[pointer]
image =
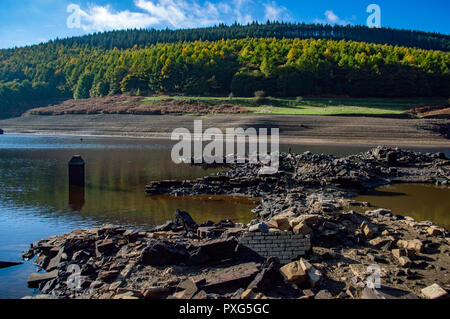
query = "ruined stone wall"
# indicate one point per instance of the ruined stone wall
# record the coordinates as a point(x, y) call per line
point(287, 246)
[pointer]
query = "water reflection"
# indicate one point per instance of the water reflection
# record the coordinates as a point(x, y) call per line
point(76, 197)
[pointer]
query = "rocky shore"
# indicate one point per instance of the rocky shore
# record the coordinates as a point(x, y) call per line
point(307, 239)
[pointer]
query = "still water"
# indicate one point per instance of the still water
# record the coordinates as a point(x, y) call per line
point(419, 201)
point(36, 202)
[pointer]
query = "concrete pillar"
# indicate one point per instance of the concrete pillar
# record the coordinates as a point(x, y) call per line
point(76, 171)
point(1, 131)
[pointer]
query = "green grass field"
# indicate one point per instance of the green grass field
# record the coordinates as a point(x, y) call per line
point(313, 106)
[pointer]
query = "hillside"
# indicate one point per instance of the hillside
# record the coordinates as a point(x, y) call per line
point(84, 67)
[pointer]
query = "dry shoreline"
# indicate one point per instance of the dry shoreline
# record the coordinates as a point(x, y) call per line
point(294, 129)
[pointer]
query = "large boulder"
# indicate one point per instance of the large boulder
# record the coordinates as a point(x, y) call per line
point(163, 253)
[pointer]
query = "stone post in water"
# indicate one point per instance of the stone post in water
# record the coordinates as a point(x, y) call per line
point(1, 131)
point(76, 171)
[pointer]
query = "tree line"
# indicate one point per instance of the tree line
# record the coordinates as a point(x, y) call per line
point(126, 39)
point(280, 67)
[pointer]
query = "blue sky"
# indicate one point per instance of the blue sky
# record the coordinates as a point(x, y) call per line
point(24, 22)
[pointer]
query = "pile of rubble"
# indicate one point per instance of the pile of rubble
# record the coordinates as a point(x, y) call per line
point(356, 172)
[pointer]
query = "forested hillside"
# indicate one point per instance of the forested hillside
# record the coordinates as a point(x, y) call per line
point(280, 67)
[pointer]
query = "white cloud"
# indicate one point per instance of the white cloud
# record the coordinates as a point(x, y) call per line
point(273, 12)
point(174, 14)
point(332, 18)
point(180, 14)
point(99, 18)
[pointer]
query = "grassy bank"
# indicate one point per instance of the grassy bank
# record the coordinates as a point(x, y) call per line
point(311, 106)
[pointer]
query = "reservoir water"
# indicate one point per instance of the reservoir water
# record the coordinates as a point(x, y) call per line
point(35, 201)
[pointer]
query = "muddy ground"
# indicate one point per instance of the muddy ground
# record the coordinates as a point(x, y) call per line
point(293, 129)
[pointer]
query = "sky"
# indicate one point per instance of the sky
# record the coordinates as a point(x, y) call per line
point(26, 22)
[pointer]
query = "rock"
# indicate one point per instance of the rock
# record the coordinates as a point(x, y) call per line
point(35, 279)
point(131, 295)
point(399, 253)
point(404, 261)
point(385, 292)
point(80, 256)
point(1, 132)
point(261, 227)
point(42, 297)
point(314, 276)
point(368, 230)
point(354, 217)
point(434, 231)
point(163, 228)
point(247, 294)
point(293, 273)
point(268, 277)
point(213, 250)
point(184, 220)
point(280, 222)
point(379, 213)
point(104, 247)
point(163, 253)
point(308, 293)
point(229, 280)
point(189, 289)
point(323, 294)
point(54, 262)
point(310, 220)
point(107, 275)
point(434, 292)
point(381, 241)
point(302, 228)
point(96, 284)
point(306, 266)
point(391, 158)
point(414, 244)
point(156, 292)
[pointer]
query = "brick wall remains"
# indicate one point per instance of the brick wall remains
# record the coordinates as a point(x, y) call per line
point(287, 246)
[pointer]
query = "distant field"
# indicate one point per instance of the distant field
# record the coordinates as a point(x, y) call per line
point(178, 105)
point(312, 106)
